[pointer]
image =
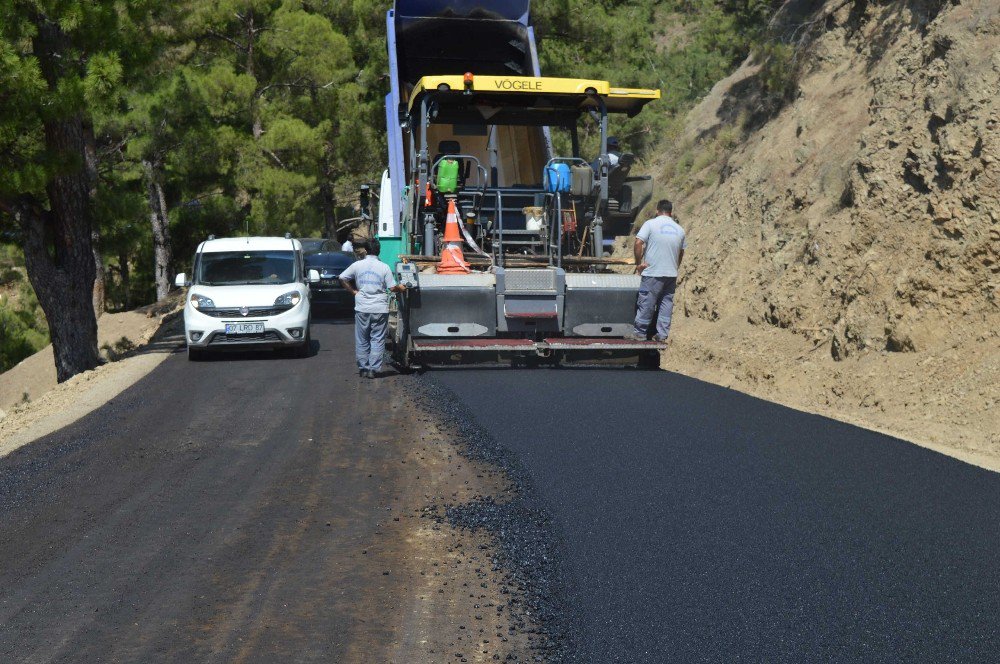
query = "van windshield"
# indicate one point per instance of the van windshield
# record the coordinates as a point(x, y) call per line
point(237, 268)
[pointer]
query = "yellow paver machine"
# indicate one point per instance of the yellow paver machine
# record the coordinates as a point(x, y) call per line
point(503, 243)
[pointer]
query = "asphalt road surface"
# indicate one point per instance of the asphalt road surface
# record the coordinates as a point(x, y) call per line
point(248, 509)
point(700, 524)
point(256, 509)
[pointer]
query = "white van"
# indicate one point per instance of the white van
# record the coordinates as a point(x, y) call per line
point(247, 293)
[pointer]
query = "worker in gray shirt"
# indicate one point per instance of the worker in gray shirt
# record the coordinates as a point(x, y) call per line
point(370, 280)
point(659, 250)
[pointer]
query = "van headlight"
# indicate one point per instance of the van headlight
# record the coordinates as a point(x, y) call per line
point(201, 302)
point(288, 299)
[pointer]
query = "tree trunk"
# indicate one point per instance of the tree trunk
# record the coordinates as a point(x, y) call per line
point(328, 202)
point(99, 293)
point(162, 251)
point(57, 241)
point(90, 164)
point(123, 271)
point(64, 280)
point(257, 126)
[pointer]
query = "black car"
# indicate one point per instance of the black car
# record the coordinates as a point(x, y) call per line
point(313, 244)
point(329, 290)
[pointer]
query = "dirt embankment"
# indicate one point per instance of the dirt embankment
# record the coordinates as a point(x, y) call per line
point(844, 246)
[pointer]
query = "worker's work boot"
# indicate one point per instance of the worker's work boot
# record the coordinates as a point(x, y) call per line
point(632, 336)
point(660, 339)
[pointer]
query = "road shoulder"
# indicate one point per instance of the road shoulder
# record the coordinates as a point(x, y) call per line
point(54, 406)
point(926, 399)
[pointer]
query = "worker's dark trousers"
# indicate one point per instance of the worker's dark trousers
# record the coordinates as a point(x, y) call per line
point(369, 339)
point(655, 292)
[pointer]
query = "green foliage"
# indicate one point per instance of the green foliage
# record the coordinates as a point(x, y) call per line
point(261, 116)
point(9, 276)
point(778, 74)
point(681, 47)
point(11, 256)
point(101, 84)
point(248, 110)
point(23, 331)
point(17, 340)
point(97, 35)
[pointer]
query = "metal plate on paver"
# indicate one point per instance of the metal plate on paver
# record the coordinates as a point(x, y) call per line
point(475, 280)
point(529, 280)
point(621, 281)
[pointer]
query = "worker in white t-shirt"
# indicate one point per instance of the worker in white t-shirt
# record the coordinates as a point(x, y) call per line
point(614, 152)
point(614, 156)
point(659, 250)
point(369, 280)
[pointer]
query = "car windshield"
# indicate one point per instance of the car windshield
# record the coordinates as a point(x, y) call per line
point(236, 268)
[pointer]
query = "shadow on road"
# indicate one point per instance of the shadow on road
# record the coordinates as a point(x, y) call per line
point(328, 315)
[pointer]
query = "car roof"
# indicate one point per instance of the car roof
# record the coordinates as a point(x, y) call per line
point(249, 244)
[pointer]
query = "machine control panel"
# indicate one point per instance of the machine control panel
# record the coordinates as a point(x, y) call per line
point(406, 274)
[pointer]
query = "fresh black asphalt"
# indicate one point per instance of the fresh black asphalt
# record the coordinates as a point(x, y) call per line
point(698, 524)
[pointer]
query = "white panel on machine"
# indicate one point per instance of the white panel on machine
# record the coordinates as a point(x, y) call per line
point(457, 280)
point(386, 219)
point(584, 280)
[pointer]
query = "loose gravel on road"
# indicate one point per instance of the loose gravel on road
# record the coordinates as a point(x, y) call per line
point(253, 509)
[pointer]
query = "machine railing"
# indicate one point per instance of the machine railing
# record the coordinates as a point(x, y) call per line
point(556, 226)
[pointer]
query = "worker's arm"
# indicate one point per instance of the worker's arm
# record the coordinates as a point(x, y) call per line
point(349, 285)
point(347, 279)
point(680, 258)
point(639, 250)
point(390, 283)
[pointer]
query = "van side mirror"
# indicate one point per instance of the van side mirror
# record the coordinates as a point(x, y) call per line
point(313, 277)
point(181, 281)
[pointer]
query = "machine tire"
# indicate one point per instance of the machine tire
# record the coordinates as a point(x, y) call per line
point(196, 354)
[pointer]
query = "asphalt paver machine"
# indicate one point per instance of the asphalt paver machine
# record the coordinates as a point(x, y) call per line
point(502, 242)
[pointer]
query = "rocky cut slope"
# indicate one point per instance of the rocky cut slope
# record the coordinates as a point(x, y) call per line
point(844, 220)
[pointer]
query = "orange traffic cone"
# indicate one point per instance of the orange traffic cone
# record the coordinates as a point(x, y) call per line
point(452, 258)
point(451, 232)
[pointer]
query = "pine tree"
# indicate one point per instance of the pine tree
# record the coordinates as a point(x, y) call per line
point(58, 59)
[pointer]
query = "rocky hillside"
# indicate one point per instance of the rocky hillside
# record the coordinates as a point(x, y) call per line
point(844, 220)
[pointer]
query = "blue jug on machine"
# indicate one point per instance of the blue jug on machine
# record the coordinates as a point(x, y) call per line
point(557, 178)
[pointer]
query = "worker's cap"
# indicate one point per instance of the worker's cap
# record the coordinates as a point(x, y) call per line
point(613, 142)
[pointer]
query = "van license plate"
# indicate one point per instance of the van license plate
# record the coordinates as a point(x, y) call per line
point(244, 328)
